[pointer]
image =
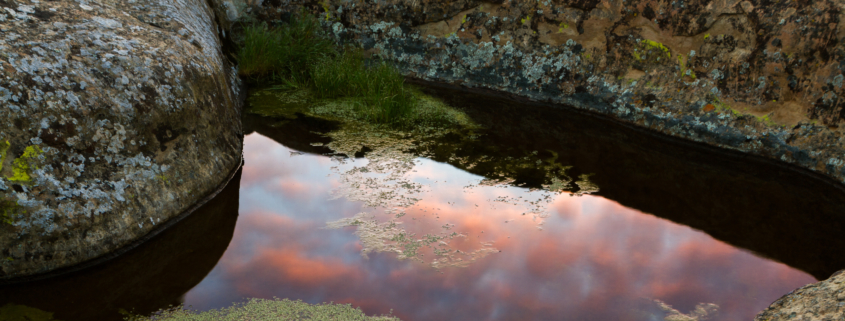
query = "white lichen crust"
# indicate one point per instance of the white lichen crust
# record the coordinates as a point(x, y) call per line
point(115, 116)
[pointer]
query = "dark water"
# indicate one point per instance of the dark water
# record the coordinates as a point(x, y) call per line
point(646, 229)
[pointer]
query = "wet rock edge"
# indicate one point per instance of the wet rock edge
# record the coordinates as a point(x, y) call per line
point(137, 242)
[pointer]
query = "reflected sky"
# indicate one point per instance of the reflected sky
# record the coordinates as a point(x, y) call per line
point(590, 259)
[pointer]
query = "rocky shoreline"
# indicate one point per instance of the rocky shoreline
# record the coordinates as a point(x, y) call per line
point(759, 77)
point(114, 108)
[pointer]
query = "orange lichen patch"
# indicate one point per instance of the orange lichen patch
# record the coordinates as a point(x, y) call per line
point(634, 74)
point(436, 29)
point(552, 34)
point(709, 108)
point(9, 69)
point(452, 25)
point(468, 33)
point(599, 21)
point(789, 114)
point(785, 113)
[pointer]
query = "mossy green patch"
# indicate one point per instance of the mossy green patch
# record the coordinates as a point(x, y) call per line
point(659, 46)
point(4, 147)
point(765, 119)
point(636, 55)
point(276, 309)
point(650, 52)
point(425, 113)
point(720, 106)
point(8, 211)
point(22, 167)
point(15, 312)
point(526, 20)
point(280, 102)
point(327, 10)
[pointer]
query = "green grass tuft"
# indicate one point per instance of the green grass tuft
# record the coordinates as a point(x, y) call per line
point(283, 53)
point(300, 56)
point(380, 87)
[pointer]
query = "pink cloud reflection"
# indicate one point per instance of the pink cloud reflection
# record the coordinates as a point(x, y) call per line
point(595, 260)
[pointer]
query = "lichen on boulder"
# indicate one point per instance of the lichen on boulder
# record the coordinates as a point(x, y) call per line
point(115, 116)
point(814, 302)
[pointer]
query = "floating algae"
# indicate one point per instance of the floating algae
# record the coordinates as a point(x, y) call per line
point(702, 311)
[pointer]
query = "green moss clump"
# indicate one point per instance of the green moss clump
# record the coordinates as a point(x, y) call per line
point(4, 147)
point(8, 211)
point(21, 167)
point(657, 45)
point(260, 309)
point(650, 52)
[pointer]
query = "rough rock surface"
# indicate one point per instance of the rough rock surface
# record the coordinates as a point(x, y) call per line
point(762, 77)
point(823, 301)
point(115, 116)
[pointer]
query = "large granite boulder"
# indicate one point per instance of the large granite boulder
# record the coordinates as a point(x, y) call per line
point(115, 117)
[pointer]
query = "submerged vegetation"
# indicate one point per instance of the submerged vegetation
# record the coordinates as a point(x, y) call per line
point(299, 56)
point(260, 309)
point(15, 312)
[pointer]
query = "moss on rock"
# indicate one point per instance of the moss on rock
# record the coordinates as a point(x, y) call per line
point(260, 309)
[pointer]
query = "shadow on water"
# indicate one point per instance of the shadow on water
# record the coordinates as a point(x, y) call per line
point(152, 276)
point(776, 211)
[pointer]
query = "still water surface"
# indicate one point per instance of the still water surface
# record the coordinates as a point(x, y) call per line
point(538, 215)
point(590, 259)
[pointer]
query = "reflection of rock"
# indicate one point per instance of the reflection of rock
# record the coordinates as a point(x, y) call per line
point(149, 277)
point(813, 302)
point(760, 77)
point(297, 133)
point(116, 116)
